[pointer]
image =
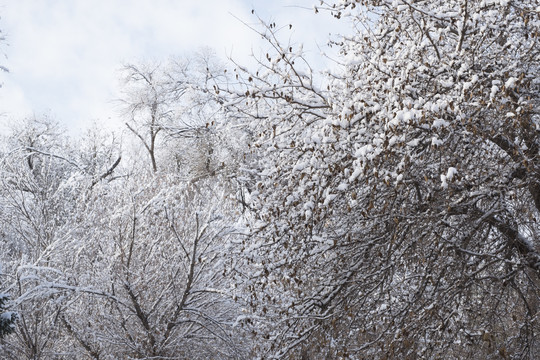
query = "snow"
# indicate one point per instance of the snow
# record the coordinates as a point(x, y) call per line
point(413, 142)
point(329, 199)
point(437, 123)
point(309, 205)
point(357, 171)
point(435, 141)
point(444, 184)
point(300, 166)
point(408, 116)
point(363, 151)
point(511, 83)
point(298, 179)
point(469, 84)
point(8, 315)
point(494, 91)
point(447, 83)
point(452, 171)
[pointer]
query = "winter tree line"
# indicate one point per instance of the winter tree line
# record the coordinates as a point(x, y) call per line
point(386, 208)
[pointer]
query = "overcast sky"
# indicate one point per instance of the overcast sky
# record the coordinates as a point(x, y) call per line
point(64, 55)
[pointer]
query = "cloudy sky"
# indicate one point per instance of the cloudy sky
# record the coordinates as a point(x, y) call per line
point(64, 55)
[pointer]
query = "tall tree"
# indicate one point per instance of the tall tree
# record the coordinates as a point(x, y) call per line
point(150, 272)
point(105, 263)
point(150, 94)
point(399, 202)
point(7, 318)
point(172, 98)
point(35, 225)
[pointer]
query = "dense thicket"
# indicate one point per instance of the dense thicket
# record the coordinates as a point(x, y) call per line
point(398, 197)
point(387, 208)
point(107, 256)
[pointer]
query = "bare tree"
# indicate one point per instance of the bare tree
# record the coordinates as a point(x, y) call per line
point(150, 94)
point(173, 98)
point(155, 262)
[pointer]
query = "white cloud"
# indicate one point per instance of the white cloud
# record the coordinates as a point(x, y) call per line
point(63, 56)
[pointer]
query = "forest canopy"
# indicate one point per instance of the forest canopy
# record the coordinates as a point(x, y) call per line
point(385, 208)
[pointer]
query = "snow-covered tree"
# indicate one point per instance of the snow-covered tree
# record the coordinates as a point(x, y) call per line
point(398, 198)
point(7, 318)
point(172, 99)
point(106, 260)
point(35, 224)
point(150, 272)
